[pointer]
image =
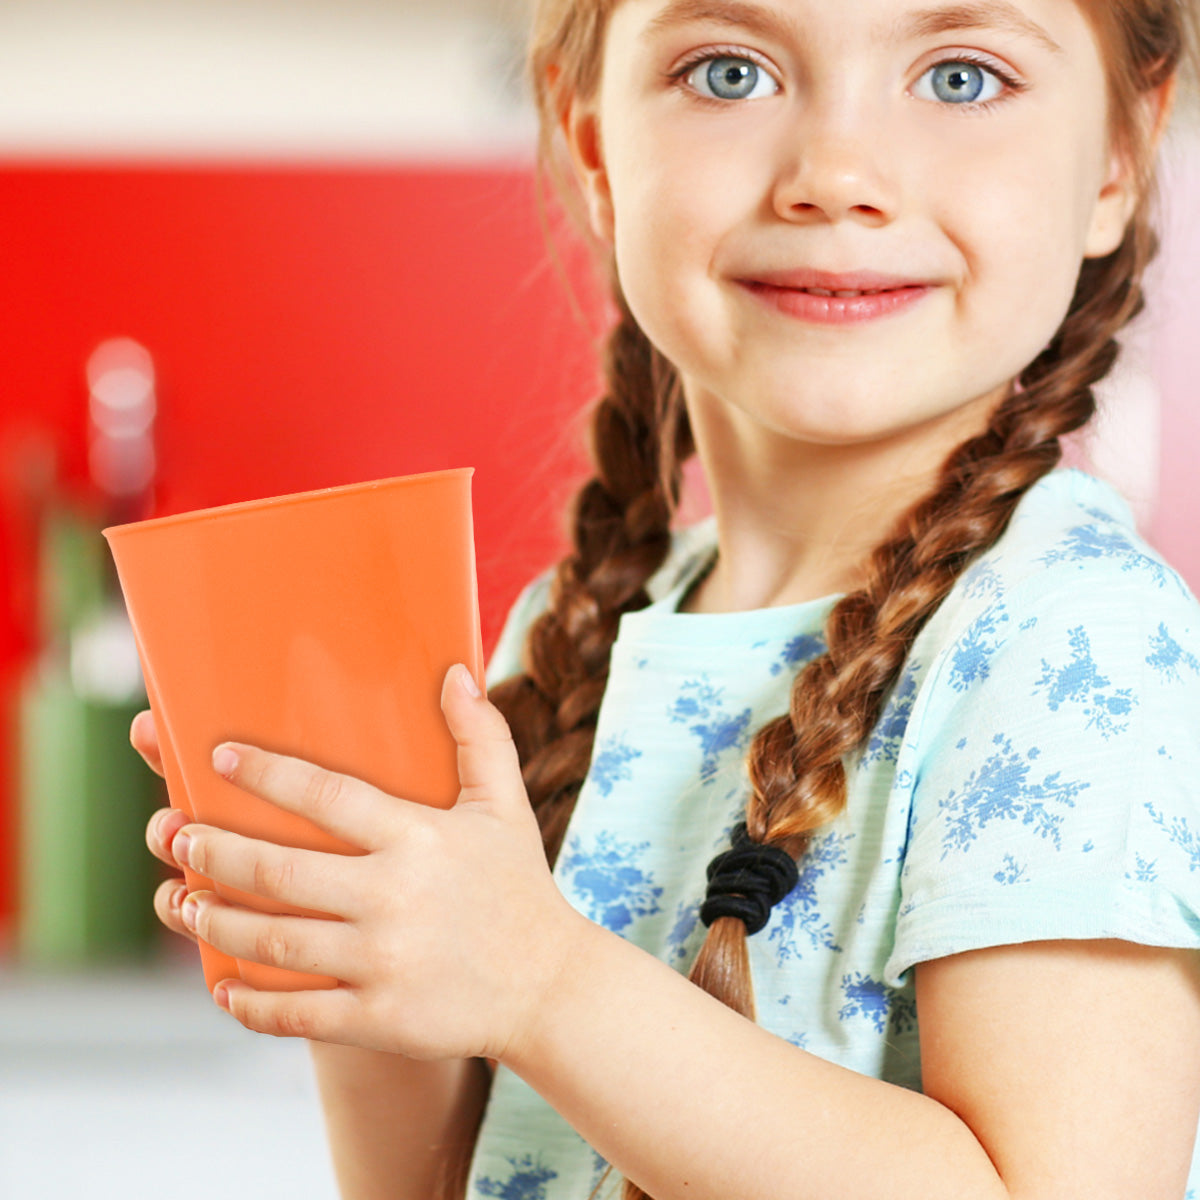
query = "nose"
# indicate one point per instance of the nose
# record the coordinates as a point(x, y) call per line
point(833, 169)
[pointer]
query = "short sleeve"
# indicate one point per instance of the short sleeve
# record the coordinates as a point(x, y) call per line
point(1055, 771)
point(506, 659)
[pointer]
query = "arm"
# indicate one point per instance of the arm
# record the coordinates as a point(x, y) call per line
point(1053, 1071)
point(398, 1129)
point(1099, 1041)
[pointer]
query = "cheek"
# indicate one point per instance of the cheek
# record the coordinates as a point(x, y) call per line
point(1023, 243)
point(666, 229)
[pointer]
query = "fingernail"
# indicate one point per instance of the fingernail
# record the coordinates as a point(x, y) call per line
point(467, 681)
point(191, 906)
point(221, 996)
point(225, 760)
point(180, 847)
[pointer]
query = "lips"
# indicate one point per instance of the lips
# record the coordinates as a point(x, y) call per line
point(845, 284)
point(818, 305)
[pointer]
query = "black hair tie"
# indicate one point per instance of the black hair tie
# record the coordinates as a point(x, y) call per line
point(748, 881)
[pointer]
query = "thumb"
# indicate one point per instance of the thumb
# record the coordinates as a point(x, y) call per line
point(488, 767)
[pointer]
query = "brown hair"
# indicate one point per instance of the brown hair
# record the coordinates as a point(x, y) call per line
point(621, 518)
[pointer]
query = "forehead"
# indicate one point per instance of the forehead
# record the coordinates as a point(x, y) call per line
point(1046, 24)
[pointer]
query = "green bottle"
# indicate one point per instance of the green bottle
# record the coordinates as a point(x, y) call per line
point(86, 880)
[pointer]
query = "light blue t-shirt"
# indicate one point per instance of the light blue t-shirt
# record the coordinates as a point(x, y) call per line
point(1034, 775)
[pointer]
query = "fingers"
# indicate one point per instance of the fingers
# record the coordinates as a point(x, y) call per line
point(302, 878)
point(488, 766)
point(168, 901)
point(144, 737)
point(306, 944)
point(318, 1016)
point(348, 808)
point(161, 831)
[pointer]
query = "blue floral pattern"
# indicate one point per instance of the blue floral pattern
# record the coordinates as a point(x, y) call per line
point(698, 706)
point(1078, 681)
point(1181, 834)
point(798, 651)
point(527, 1181)
point(1104, 539)
point(1169, 658)
point(687, 921)
point(886, 738)
point(611, 763)
point(1035, 768)
point(872, 1000)
point(973, 651)
point(611, 886)
point(797, 922)
point(1002, 790)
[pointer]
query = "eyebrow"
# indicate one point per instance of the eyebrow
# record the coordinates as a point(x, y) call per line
point(995, 13)
point(975, 14)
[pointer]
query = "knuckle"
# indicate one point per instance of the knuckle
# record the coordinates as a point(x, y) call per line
point(496, 728)
point(246, 1013)
point(423, 841)
point(271, 947)
point(258, 770)
point(498, 741)
point(294, 1022)
point(272, 878)
point(323, 792)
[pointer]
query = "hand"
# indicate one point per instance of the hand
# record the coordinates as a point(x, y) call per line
point(161, 830)
point(448, 930)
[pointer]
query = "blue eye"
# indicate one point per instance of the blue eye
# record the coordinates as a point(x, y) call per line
point(730, 78)
point(961, 81)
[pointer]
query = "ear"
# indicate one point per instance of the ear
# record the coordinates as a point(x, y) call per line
point(580, 125)
point(1118, 198)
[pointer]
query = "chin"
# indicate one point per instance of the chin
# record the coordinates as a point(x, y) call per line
point(846, 427)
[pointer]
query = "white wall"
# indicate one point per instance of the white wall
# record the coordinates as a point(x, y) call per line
point(274, 78)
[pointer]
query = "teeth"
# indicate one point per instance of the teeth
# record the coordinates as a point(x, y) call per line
point(840, 295)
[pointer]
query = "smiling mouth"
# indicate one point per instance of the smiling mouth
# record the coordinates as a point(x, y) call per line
point(840, 285)
point(843, 295)
point(842, 306)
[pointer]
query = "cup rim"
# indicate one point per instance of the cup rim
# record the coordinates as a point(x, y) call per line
point(287, 500)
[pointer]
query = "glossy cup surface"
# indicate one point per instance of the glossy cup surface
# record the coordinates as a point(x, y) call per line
point(319, 625)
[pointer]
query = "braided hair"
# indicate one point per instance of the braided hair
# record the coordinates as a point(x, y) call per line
point(641, 438)
point(621, 529)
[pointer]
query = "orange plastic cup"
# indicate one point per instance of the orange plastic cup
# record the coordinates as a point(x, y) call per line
point(319, 625)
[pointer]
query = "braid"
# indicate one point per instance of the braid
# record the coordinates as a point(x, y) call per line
point(621, 532)
point(796, 762)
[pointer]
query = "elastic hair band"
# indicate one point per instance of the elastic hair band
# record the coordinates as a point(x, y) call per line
point(748, 881)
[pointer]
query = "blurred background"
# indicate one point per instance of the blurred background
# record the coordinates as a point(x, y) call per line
point(260, 246)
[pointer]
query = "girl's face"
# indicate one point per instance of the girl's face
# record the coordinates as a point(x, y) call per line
point(735, 143)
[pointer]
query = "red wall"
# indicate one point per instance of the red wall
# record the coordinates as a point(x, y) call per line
point(320, 326)
point(311, 327)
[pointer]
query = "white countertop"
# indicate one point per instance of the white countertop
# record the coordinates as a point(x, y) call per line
point(130, 1083)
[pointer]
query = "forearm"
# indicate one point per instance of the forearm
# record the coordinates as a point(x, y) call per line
point(397, 1126)
point(693, 1102)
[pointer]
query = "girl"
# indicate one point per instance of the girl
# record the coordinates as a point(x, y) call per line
point(895, 754)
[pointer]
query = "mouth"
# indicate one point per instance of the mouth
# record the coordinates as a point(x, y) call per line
point(845, 294)
point(844, 285)
point(820, 305)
